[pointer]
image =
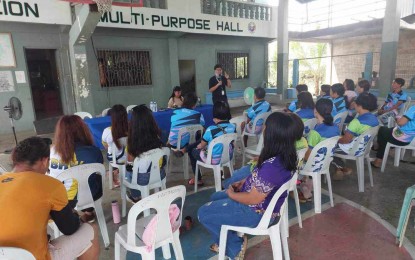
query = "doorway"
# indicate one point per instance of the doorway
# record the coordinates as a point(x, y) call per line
point(187, 76)
point(44, 83)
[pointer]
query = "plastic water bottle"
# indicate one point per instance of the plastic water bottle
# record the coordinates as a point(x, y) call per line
point(199, 101)
point(155, 107)
point(152, 106)
point(116, 216)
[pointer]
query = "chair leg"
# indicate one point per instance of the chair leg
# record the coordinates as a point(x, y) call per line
point(178, 252)
point(297, 206)
point(102, 223)
point(110, 177)
point(397, 157)
point(166, 251)
point(385, 157)
point(196, 176)
point(370, 171)
point(402, 236)
point(123, 200)
point(275, 239)
point(243, 158)
point(284, 227)
point(217, 176)
point(186, 166)
point(360, 173)
point(117, 249)
point(317, 193)
point(330, 189)
point(403, 153)
point(222, 242)
point(148, 255)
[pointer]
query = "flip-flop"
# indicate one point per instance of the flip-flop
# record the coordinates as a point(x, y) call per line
point(374, 165)
point(214, 248)
point(192, 182)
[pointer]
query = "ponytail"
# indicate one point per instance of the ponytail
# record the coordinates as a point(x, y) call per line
point(324, 107)
point(328, 119)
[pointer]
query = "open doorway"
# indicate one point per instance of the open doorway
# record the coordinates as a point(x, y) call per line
point(187, 74)
point(44, 83)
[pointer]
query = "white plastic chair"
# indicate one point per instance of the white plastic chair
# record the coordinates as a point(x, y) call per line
point(318, 164)
point(192, 130)
point(81, 173)
point(251, 151)
point(406, 106)
point(309, 125)
point(128, 234)
point(263, 228)
point(225, 160)
point(359, 152)
point(398, 153)
point(113, 164)
point(14, 253)
point(340, 118)
point(154, 182)
point(83, 115)
point(130, 107)
point(262, 116)
point(105, 111)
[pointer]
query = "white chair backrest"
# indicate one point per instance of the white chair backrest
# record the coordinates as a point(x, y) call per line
point(14, 253)
point(192, 130)
point(300, 155)
point(340, 118)
point(114, 148)
point(81, 173)
point(321, 155)
point(237, 121)
point(161, 202)
point(130, 107)
point(260, 144)
point(262, 116)
point(406, 106)
point(105, 111)
point(226, 141)
point(266, 218)
point(309, 125)
point(154, 157)
point(83, 115)
point(361, 144)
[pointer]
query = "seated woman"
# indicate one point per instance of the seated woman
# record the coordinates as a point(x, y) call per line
point(111, 134)
point(402, 134)
point(198, 150)
point(362, 86)
point(339, 99)
point(306, 104)
point(143, 136)
point(245, 201)
point(365, 103)
point(73, 145)
point(176, 99)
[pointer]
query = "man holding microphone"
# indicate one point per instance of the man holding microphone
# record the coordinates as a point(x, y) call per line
point(218, 84)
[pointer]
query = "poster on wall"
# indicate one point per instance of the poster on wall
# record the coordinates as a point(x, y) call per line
point(6, 81)
point(7, 58)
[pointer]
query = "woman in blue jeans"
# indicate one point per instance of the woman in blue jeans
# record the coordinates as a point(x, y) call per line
point(245, 201)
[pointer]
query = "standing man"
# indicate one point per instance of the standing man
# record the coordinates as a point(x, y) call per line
point(217, 86)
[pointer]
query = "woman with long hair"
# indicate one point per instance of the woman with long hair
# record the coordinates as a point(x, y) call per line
point(143, 136)
point(73, 145)
point(245, 201)
point(176, 98)
point(306, 104)
point(112, 134)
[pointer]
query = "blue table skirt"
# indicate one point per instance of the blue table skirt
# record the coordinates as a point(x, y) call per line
point(98, 124)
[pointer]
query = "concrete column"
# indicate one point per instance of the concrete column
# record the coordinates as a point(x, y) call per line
point(389, 49)
point(84, 25)
point(283, 45)
point(174, 62)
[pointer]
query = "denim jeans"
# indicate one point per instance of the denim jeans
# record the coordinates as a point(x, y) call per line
point(238, 175)
point(194, 156)
point(226, 211)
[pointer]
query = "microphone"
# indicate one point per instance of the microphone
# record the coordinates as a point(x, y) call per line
point(219, 77)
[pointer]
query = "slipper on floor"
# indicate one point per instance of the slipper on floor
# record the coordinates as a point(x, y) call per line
point(374, 165)
point(192, 182)
point(214, 248)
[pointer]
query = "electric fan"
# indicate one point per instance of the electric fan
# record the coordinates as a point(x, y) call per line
point(249, 96)
point(14, 108)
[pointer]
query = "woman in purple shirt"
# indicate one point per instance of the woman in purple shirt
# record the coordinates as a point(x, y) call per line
point(245, 201)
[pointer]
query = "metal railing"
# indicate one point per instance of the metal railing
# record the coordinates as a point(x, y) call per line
point(239, 9)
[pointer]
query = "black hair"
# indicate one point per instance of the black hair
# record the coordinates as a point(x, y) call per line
point(299, 128)
point(279, 140)
point(339, 89)
point(400, 81)
point(305, 100)
point(30, 151)
point(367, 101)
point(143, 132)
point(364, 84)
point(301, 88)
point(259, 92)
point(221, 110)
point(119, 123)
point(176, 88)
point(349, 84)
point(190, 100)
point(217, 66)
point(324, 107)
point(325, 88)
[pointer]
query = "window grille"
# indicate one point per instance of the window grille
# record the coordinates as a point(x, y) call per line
point(234, 64)
point(124, 68)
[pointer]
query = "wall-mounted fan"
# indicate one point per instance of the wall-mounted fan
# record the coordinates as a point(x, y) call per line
point(14, 108)
point(249, 94)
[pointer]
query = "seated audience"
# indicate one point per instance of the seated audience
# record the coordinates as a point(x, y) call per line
point(402, 134)
point(306, 105)
point(324, 91)
point(259, 107)
point(339, 99)
point(198, 150)
point(111, 134)
point(73, 145)
point(176, 98)
point(394, 101)
point(143, 136)
point(349, 88)
point(245, 201)
point(363, 86)
point(293, 105)
point(365, 103)
point(29, 198)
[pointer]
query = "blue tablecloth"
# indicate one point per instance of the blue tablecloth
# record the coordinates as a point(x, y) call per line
point(98, 124)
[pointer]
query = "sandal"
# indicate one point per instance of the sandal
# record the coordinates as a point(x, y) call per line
point(214, 248)
point(188, 223)
point(374, 165)
point(192, 182)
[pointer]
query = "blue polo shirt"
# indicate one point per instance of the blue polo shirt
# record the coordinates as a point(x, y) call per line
point(305, 114)
point(183, 117)
point(214, 131)
point(293, 105)
point(339, 105)
point(406, 133)
point(393, 98)
point(320, 133)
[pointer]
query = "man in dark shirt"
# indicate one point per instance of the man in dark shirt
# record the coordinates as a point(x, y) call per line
point(217, 86)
